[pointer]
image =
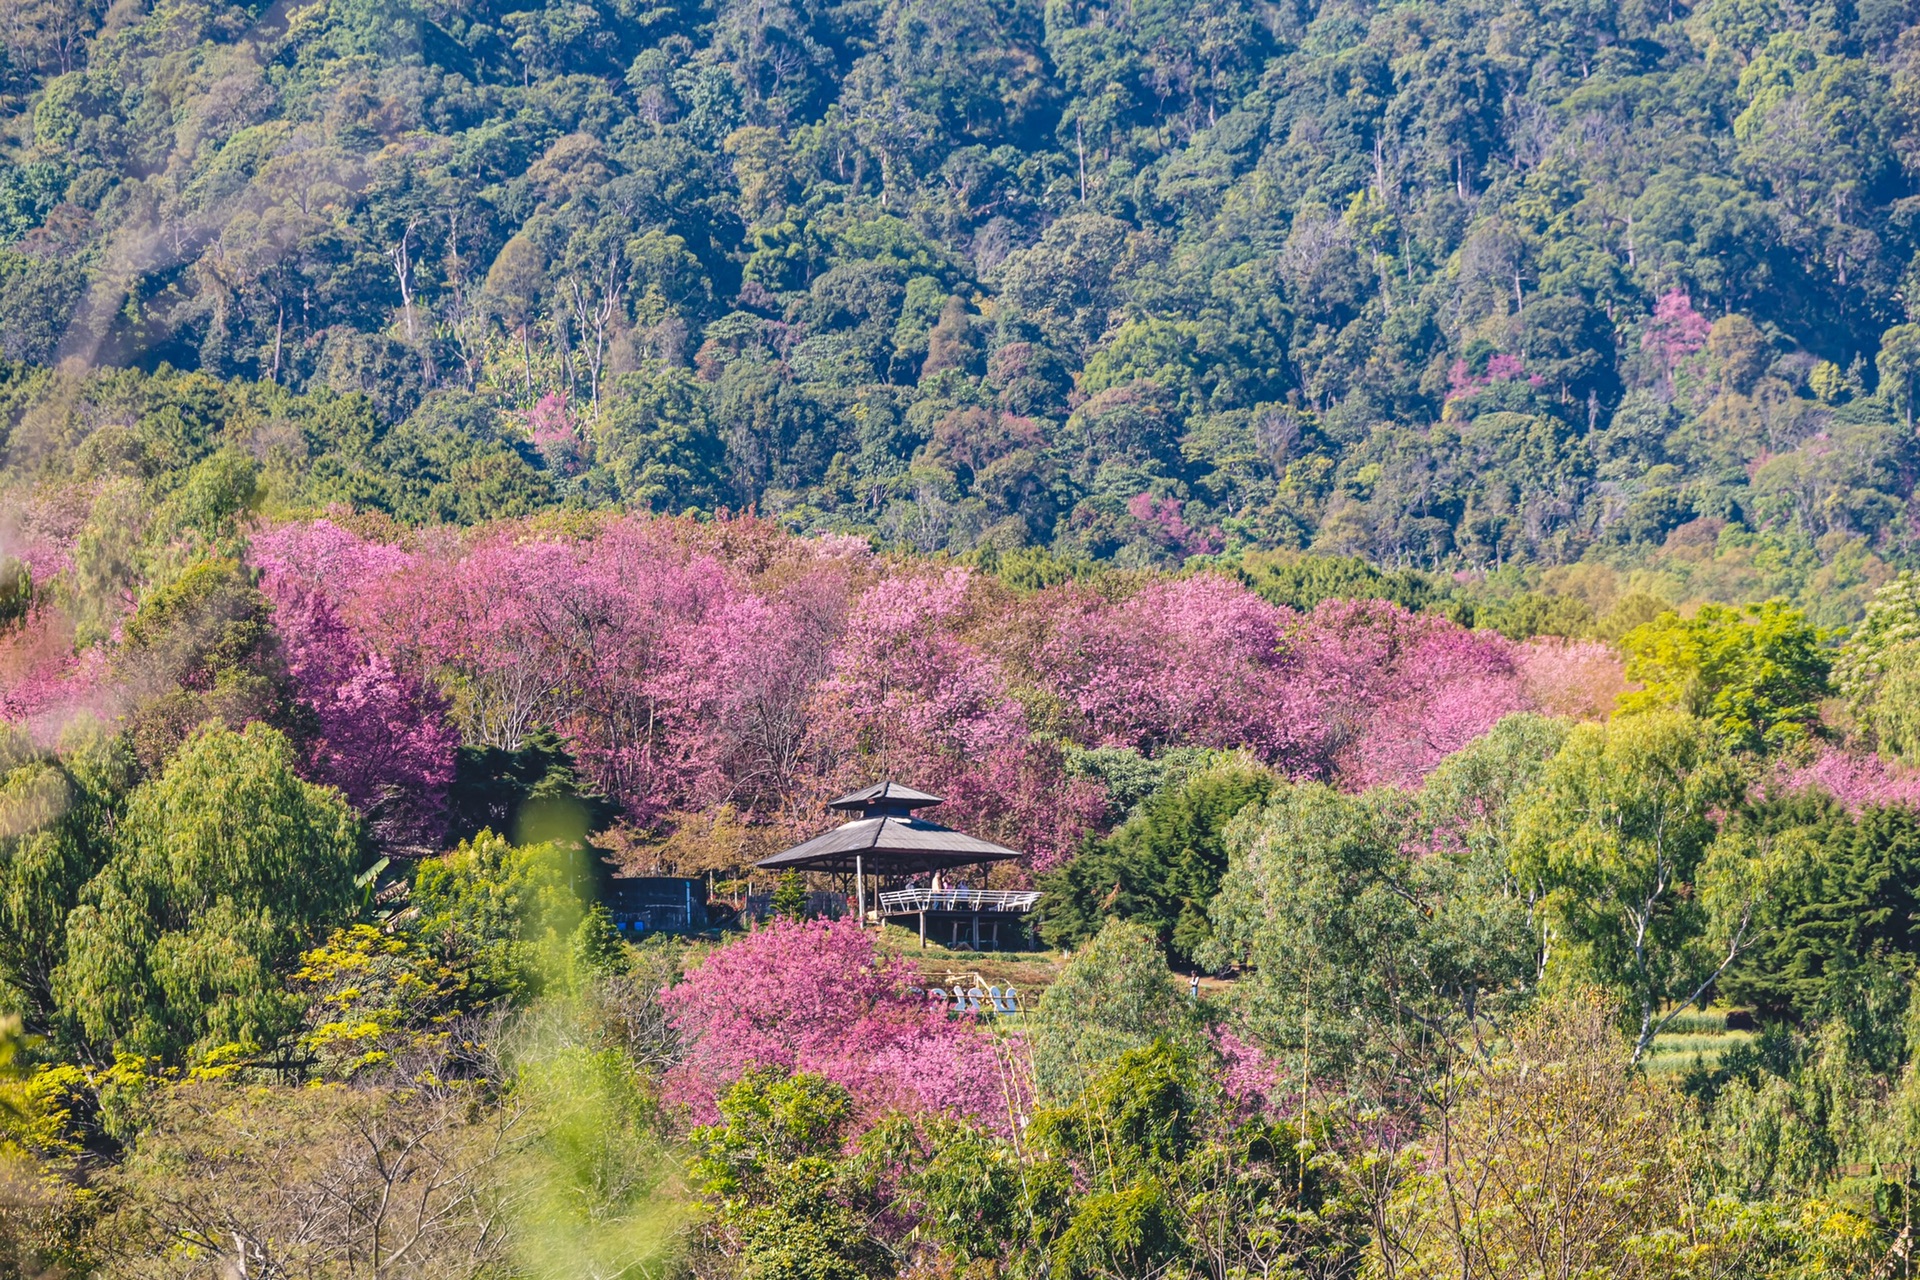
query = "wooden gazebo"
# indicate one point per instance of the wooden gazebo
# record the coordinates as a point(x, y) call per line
point(888, 841)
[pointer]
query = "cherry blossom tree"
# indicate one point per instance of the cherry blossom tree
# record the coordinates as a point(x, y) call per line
point(1855, 780)
point(814, 996)
point(692, 665)
point(1675, 330)
point(611, 642)
point(45, 685)
point(906, 697)
point(322, 556)
point(1195, 661)
point(1575, 679)
point(556, 434)
point(1360, 690)
point(1166, 522)
point(1397, 692)
point(380, 735)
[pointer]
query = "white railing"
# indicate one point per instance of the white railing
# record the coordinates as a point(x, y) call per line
point(895, 901)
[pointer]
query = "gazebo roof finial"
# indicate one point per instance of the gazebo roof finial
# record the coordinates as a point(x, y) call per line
point(886, 796)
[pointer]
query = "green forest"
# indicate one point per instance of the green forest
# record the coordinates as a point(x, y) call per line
point(1398, 516)
point(1617, 294)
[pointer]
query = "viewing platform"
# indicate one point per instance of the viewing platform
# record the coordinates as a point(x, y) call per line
point(969, 918)
point(898, 902)
point(889, 841)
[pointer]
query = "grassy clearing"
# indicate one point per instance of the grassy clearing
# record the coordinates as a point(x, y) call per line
point(1031, 971)
point(1695, 1037)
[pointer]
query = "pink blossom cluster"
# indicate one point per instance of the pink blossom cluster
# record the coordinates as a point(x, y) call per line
point(1198, 660)
point(39, 530)
point(381, 734)
point(45, 685)
point(1675, 330)
point(323, 556)
point(814, 996)
point(1166, 518)
point(656, 661)
point(44, 682)
point(1359, 690)
point(908, 697)
point(692, 663)
point(1501, 367)
point(1248, 1075)
point(1856, 780)
point(1397, 692)
point(556, 434)
point(1576, 679)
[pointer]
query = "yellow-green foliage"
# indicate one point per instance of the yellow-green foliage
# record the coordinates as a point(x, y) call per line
point(224, 870)
point(519, 915)
point(1620, 840)
point(1756, 674)
point(598, 1193)
point(374, 992)
point(1878, 672)
point(1561, 1162)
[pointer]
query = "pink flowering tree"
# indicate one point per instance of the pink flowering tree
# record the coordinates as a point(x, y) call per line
point(814, 996)
point(1856, 780)
point(379, 734)
point(1195, 661)
point(1166, 522)
point(904, 686)
point(322, 556)
point(1248, 1075)
point(1505, 367)
point(45, 684)
point(1360, 690)
point(1502, 366)
point(906, 697)
point(678, 683)
point(775, 650)
point(613, 642)
point(1575, 679)
point(1675, 330)
point(1395, 692)
point(556, 434)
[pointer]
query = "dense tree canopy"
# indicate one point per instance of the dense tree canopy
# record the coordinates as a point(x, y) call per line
point(223, 869)
point(1162, 867)
point(1453, 285)
point(1400, 514)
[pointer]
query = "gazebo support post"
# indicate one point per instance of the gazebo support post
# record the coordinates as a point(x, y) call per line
point(860, 888)
point(976, 931)
point(923, 931)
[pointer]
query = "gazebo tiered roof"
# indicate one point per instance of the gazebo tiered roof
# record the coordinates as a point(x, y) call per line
point(887, 839)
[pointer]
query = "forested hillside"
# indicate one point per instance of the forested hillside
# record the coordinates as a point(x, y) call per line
point(1444, 285)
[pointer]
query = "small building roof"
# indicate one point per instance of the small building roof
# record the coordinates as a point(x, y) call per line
point(885, 795)
point(888, 845)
